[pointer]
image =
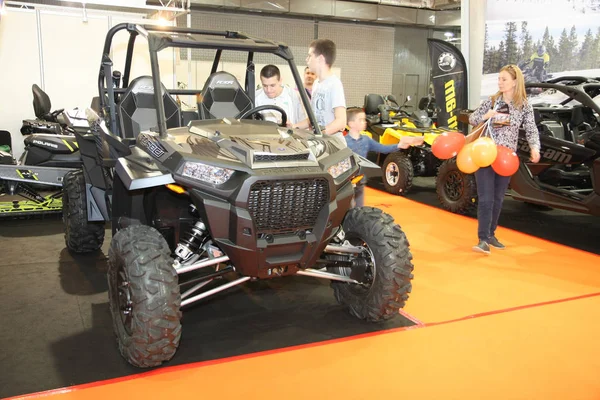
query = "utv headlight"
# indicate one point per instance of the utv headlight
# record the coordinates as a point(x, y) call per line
point(338, 169)
point(206, 173)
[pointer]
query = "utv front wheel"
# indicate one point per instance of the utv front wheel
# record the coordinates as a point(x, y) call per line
point(81, 236)
point(144, 296)
point(397, 173)
point(456, 191)
point(387, 273)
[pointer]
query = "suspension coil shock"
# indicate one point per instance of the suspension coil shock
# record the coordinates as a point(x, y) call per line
point(190, 242)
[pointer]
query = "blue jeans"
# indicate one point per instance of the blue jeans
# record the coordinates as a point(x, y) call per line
point(491, 189)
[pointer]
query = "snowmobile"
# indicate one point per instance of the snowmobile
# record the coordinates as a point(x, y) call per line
point(535, 73)
point(32, 184)
point(57, 122)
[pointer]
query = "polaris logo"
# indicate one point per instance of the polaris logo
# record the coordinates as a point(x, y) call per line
point(47, 144)
point(224, 82)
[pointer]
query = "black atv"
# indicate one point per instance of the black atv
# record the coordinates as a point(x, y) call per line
point(226, 195)
point(568, 174)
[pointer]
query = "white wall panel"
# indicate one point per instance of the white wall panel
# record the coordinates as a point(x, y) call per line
point(72, 52)
point(358, 11)
point(313, 7)
point(141, 58)
point(19, 69)
point(276, 6)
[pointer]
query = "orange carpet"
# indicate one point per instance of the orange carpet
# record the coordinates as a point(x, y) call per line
point(519, 324)
point(451, 281)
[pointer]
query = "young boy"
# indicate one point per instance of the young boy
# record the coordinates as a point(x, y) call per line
point(362, 144)
point(327, 100)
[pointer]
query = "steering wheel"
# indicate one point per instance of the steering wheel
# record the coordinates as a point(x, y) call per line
point(256, 110)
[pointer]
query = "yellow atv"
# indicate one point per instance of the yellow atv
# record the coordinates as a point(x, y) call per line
point(387, 123)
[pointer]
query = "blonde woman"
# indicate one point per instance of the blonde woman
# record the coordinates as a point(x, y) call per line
point(510, 111)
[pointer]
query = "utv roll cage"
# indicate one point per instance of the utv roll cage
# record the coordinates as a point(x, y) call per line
point(578, 88)
point(160, 38)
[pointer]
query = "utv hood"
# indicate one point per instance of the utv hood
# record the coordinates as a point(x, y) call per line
point(259, 144)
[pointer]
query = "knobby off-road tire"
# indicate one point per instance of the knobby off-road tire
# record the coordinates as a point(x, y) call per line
point(456, 191)
point(397, 173)
point(144, 296)
point(81, 236)
point(390, 279)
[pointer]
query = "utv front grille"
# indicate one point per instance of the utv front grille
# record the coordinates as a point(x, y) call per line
point(273, 157)
point(287, 206)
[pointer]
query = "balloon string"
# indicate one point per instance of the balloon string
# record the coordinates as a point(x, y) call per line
point(484, 128)
point(487, 127)
point(488, 131)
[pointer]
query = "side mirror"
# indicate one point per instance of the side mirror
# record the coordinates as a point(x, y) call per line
point(408, 98)
point(392, 98)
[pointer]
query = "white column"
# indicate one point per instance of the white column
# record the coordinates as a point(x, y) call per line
point(473, 13)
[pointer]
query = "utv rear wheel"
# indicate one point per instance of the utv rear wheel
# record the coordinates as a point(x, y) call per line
point(81, 236)
point(386, 281)
point(456, 191)
point(144, 296)
point(397, 173)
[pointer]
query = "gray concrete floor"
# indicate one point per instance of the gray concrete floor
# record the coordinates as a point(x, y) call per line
point(56, 329)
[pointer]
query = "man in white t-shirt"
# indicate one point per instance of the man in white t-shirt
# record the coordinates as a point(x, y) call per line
point(328, 101)
point(274, 93)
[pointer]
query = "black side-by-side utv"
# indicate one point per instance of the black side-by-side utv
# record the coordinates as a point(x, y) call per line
point(225, 199)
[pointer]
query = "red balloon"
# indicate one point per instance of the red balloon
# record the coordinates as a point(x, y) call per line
point(447, 145)
point(506, 163)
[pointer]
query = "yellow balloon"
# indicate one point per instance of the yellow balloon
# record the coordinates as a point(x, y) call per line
point(484, 152)
point(464, 160)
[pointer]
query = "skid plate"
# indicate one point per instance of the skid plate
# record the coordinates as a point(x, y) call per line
point(35, 175)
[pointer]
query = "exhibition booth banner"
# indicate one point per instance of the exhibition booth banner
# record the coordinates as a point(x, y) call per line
point(546, 40)
point(449, 78)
